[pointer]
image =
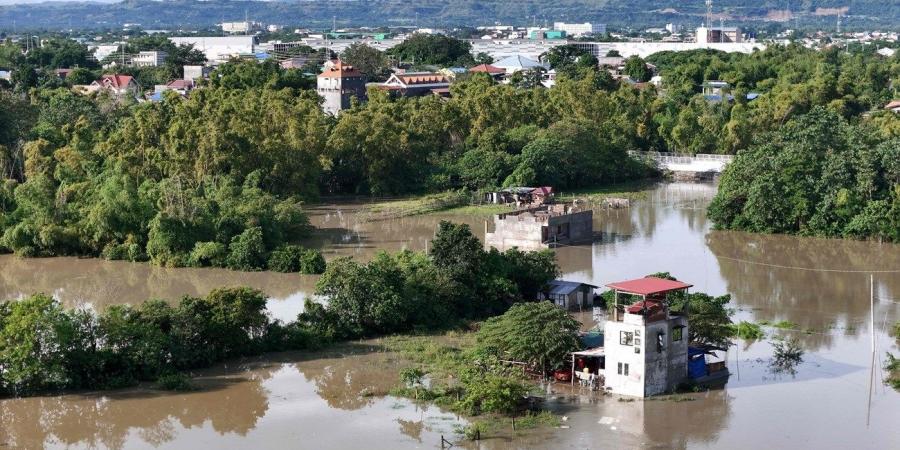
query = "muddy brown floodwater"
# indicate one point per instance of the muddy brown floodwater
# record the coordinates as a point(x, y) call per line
point(334, 399)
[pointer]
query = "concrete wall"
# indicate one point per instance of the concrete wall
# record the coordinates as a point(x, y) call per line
point(652, 371)
point(526, 231)
point(581, 227)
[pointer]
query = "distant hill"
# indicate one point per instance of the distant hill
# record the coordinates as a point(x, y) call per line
point(637, 14)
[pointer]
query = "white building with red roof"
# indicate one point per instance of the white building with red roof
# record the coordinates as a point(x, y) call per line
point(116, 84)
point(338, 84)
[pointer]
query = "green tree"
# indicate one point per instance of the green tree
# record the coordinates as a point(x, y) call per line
point(637, 69)
point(369, 60)
point(539, 334)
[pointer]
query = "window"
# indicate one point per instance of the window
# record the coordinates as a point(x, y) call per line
point(623, 369)
point(626, 337)
point(659, 342)
point(676, 333)
point(637, 349)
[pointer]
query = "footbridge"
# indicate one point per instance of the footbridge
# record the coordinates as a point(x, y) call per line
point(701, 165)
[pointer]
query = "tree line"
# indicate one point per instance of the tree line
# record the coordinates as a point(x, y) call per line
point(225, 171)
point(44, 347)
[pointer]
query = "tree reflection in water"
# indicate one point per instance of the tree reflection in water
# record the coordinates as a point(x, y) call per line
point(816, 301)
point(229, 405)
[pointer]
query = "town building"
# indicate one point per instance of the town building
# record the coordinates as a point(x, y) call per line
point(219, 49)
point(646, 344)
point(338, 84)
point(543, 226)
point(242, 27)
point(492, 71)
point(116, 84)
point(416, 84)
point(580, 29)
point(195, 73)
point(149, 59)
point(721, 35)
point(516, 63)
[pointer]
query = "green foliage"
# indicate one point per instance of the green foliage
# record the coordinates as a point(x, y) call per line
point(44, 347)
point(395, 293)
point(493, 394)
point(369, 60)
point(819, 175)
point(637, 69)
point(207, 254)
point(312, 262)
point(538, 334)
point(710, 319)
point(175, 382)
point(433, 49)
point(247, 250)
point(747, 331)
point(286, 258)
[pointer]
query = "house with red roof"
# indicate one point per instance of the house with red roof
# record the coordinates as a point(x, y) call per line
point(338, 84)
point(116, 84)
point(417, 84)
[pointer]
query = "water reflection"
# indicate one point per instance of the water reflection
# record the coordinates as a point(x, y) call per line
point(334, 399)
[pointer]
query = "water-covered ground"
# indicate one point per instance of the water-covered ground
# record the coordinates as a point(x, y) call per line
point(332, 400)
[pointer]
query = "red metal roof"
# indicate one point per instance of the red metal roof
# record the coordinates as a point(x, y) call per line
point(487, 68)
point(340, 70)
point(648, 286)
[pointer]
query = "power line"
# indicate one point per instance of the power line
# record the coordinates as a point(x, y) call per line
point(777, 266)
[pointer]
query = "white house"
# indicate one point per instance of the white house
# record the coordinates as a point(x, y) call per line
point(149, 59)
point(646, 344)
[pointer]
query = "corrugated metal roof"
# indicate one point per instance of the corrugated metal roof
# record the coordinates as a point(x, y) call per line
point(648, 286)
point(562, 287)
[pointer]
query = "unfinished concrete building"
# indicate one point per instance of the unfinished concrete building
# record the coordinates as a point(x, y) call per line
point(540, 227)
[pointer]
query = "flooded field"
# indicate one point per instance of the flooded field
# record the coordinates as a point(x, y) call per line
point(334, 400)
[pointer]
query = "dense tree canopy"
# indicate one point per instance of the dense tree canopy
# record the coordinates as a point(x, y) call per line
point(818, 175)
point(440, 49)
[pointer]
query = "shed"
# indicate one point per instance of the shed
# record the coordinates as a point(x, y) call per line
point(572, 295)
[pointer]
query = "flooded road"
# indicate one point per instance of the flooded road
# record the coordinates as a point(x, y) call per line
point(334, 401)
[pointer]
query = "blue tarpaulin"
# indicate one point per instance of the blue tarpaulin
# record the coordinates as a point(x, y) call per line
point(696, 362)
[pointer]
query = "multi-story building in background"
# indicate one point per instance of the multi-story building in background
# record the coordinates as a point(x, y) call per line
point(580, 29)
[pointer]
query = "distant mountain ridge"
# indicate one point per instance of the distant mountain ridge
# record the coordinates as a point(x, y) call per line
point(638, 14)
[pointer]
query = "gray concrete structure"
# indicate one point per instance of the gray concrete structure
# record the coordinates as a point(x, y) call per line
point(540, 227)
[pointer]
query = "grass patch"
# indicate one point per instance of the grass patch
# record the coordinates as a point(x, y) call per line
point(419, 205)
point(637, 190)
point(747, 331)
point(785, 325)
point(478, 210)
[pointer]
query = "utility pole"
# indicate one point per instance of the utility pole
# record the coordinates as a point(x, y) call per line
point(708, 19)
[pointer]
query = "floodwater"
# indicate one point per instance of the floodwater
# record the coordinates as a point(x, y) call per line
point(335, 400)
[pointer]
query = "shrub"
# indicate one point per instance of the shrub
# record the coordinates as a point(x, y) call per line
point(312, 262)
point(747, 331)
point(207, 254)
point(175, 382)
point(286, 258)
point(493, 394)
point(247, 250)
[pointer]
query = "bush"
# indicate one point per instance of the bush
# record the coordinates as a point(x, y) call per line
point(207, 254)
point(312, 262)
point(175, 382)
point(286, 258)
point(493, 394)
point(247, 250)
point(747, 331)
